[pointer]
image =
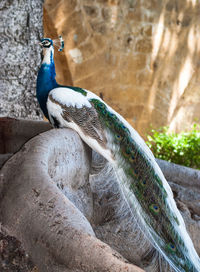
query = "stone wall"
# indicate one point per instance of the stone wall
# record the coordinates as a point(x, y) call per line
point(141, 56)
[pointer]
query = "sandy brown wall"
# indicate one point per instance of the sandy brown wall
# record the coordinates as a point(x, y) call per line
point(142, 57)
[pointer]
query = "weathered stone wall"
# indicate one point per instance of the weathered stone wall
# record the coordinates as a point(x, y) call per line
point(141, 56)
point(21, 30)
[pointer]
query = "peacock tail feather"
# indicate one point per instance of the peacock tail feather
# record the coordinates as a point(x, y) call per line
point(149, 196)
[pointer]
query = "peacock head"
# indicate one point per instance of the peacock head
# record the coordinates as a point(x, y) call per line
point(46, 43)
point(49, 43)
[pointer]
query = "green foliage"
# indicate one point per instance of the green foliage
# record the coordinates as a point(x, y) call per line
point(182, 148)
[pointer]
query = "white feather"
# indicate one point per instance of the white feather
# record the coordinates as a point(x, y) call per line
point(47, 55)
point(67, 97)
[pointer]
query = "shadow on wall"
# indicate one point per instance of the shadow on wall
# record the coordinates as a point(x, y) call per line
point(142, 57)
point(175, 61)
point(61, 62)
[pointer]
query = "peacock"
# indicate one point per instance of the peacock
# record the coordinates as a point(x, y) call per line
point(144, 186)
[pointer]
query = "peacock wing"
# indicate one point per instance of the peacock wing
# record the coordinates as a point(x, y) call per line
point(68, 108)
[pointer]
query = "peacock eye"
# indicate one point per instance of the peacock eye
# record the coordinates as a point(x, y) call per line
point(46, 43)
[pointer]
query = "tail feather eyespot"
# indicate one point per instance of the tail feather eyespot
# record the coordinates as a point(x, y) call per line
point(132, 158)
point(112, 116)
point(143, 182)
point(109, 124)
point(132, 173)
point(126, 152)
point(101, 105)
point(118, 137)
point(171, 247)
point(154, 208)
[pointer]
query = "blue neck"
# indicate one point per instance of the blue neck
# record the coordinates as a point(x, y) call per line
point(46, 80)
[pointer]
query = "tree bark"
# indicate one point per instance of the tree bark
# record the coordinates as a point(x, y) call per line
point(180, 174)
point(35, 209)
point(52, 176)
point(185, 183)
point(20, 57)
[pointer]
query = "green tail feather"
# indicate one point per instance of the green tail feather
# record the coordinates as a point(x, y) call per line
point(147, 186)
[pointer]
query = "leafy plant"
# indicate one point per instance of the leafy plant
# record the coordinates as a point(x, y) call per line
point(181, 148)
